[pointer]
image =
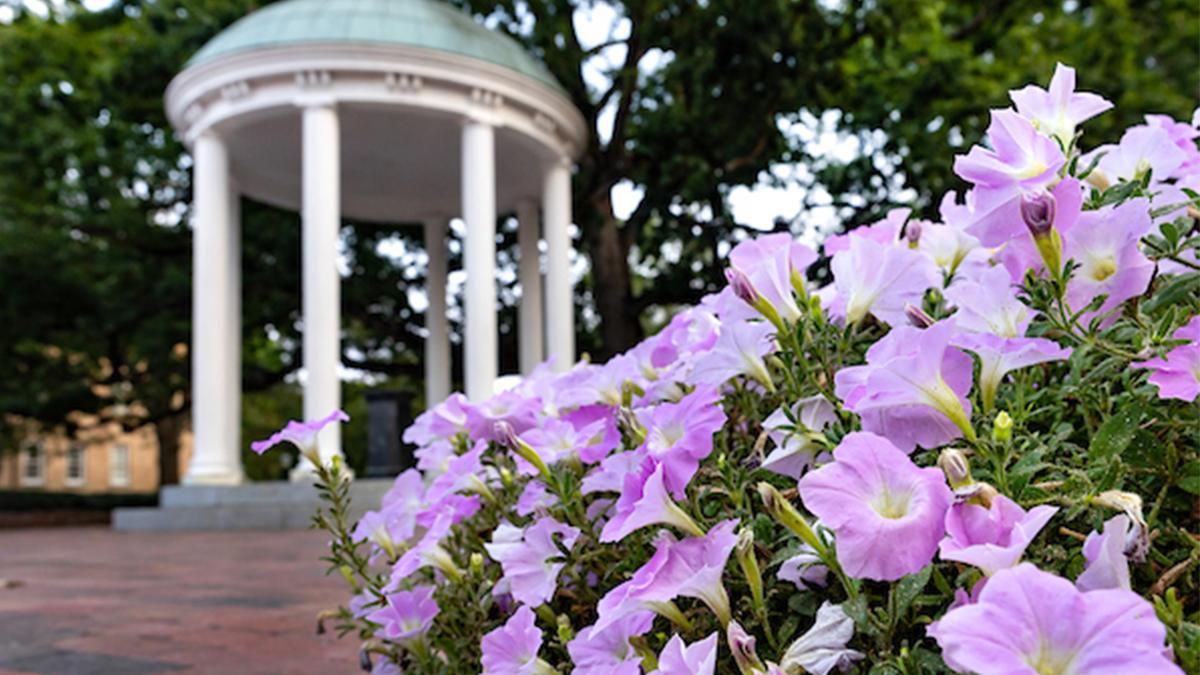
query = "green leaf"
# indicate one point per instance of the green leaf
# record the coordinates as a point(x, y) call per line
point(908, 588)
point(1116, 433)
point(1190, 478)
point(1174, 292)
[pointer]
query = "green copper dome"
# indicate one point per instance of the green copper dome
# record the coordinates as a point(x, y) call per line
point(417, 23)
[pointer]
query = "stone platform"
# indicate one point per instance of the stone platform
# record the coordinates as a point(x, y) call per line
point(254, 506)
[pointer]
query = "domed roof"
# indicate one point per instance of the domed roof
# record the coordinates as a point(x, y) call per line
point(416, 23)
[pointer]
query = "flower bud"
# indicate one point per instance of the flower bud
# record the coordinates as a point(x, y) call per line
point(787, 515)
point(917, 316)
point(742, 287)
point(476, 563)
point(565, 632)
point(1002, 427)
point(749, 564)
point(741, 645)
point(505, 435)
point(954, 464)
point(1038, 212)
point(912, 233)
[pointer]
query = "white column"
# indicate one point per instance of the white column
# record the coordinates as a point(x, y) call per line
point(556, 223)
point(216, 309)
point(321, 216)
point(437, 344)
point(479, 257)
point(529, 275)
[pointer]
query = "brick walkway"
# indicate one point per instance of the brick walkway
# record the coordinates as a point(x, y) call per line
point(94, 601)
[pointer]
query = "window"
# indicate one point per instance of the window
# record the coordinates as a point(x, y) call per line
point(118, 465)
point(75, 465)
point(33, 465)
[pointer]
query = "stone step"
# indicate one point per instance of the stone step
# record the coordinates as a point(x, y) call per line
point(255, 506)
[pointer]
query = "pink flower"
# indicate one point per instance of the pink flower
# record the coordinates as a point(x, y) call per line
point(987, 302)
point(913, 388)
point(999, 356)
point(878, 279)
point(887, 514)
point(407, 614)
point(795, 450)
point(512, 649)
point(1058, 110)
point(822, 649)
point(681, 434)
point(556, 439)
point(1183, 135)
point(534, 497)
point(303, 435)
point(1105, 244)
point(773, 264)
point(698, 658)
point(1142, 148)
point(607, 651)
point(739, 350)
point(531, 558)
point(1178, 375)
point(690, 568)
point(646, 501)
point(993, 538)
point(885, 232)
point(1107, 562)
point(510, 406)
point(1030, 621)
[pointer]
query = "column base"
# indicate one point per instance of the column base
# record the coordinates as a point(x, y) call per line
point(213, 476)
point(305, 472)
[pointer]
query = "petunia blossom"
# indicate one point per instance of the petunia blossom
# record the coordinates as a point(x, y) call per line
point(987, 302)
point(822, 649)
point(885, 232)
point(795, 449)
point(998, 356)
point(681, 434)
point(1059, 109)
point(772, 263)
point(698, 658)
point(1107, 563)
point(878, 279)
point(739, 350)
point(992, 538)
point(1178, 375)
point(913, 388)
point(1030, 621)
point(690, 568)
point(887, 513)
point(607, 651)
point(407, 615)
point(532, 558)
point(512, 649)
point(645, 500)
point(1142, 149)
point(1105, 245)
point(303, 435)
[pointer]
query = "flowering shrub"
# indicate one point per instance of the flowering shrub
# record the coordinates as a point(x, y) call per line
point(976, 450)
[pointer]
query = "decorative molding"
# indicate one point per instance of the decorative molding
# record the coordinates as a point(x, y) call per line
point(544, 123)
point(235, 90)
point(486, 98)
point(311, 79)
point(403, 82)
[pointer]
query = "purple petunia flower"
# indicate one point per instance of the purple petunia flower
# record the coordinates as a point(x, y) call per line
point(1178, 375)
point(878, 279)
point(509, 406)
point(426, 552)
point(1142, 148)
point(1107, 563)
point(681, 434)
point(1183, 135)
point(607, 651)
point(795, 449)
point(913, 388)
point(1105, 244)
point(772, 264)
point(698, 658)
point(998, 356)
point(512, 649)
point(992, 538)
point(887, 514)
point(885, 232)
point(739, 350)
point(1030, 621)
point(646, 501)
point(303, 435)
point(556, 439)
point(407, 615)
point(691, 568)
point(1056, 111)
point(531, 558)
point(822, 649)
point(534, 497)
point(987, 302)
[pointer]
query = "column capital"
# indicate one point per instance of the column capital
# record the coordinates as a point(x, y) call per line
point(311, 101)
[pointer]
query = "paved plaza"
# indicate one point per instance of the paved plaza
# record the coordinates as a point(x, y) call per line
point(88, 600)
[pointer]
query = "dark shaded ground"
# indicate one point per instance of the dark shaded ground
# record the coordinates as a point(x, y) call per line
point(90, 600)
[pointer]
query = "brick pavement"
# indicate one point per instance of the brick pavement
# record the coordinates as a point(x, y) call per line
point(92, 601)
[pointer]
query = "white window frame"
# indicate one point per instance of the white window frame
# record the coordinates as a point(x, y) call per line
point(118, 469)
point(24, 458)
point(75, 481)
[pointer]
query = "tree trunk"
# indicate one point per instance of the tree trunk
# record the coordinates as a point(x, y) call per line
point(619, 327)
point(167, 431)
